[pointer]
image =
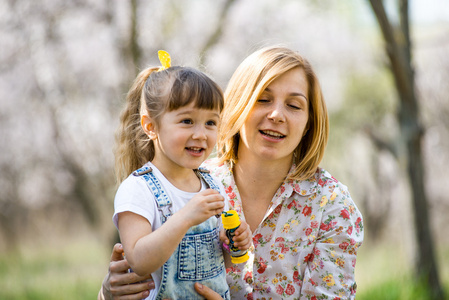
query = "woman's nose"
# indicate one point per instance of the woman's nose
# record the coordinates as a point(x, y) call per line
point(276, 114)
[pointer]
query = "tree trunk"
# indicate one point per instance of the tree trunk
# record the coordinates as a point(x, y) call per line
point(398, 48)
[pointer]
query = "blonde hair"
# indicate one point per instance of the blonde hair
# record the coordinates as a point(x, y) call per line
point(154, 93)
point(248, 82)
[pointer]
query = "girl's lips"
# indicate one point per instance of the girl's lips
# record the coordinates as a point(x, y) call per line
point(195, 151)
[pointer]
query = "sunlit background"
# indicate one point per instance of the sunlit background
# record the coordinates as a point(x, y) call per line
point(65, 67)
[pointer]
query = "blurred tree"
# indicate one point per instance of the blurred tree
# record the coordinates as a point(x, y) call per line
point(399, 52)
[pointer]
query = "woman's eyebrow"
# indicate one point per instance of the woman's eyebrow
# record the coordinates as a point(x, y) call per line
point(295, 94)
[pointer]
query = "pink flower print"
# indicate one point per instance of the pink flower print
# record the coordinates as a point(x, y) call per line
point(317, 252)
point(290, 289)
point(279, 290)
point(308, 231)
point(279, 239)
point(307, 211)
point(358, 224)
point(349, 231)
point(344, 213)
point(314, 224)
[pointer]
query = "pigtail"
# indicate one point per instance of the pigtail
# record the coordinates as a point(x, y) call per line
point(134, 148)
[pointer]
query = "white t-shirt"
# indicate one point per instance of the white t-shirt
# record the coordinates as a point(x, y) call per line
point(133, 195)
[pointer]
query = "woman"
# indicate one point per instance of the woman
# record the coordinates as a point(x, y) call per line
point(306, 228)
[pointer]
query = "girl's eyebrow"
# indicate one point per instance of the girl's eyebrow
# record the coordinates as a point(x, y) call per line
point(188, 112)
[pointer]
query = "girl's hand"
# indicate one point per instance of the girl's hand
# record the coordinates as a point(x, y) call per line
point(119, 284)
point(243, 236)
point(202, 206)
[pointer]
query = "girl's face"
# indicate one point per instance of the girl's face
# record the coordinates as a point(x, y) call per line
point(278, 120)
point(185, 137)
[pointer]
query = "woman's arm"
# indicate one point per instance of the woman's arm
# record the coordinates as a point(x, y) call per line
point(146, 251)
point(119, 284)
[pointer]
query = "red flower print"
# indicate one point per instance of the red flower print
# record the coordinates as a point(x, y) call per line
point(325, 227)
point(232, 203)
point(308, 231)
point(232, 195)
point(262, 267)
point(290, 289)
point(280, 239)
point(278, 208)
point(307, 210)
point(313, 298)
point(249, 296)
point(349, 231)
point(291, 204)
point(248, 277)
point(279, 290)
point(282, 189)
point(344, 245)
point(314, 284)
point(321, 182)
point(228, 189)
point(344, 213)
point(257, 238)
point(309, 257)
point(316, 252)
point(314, 224)
point(337, 298)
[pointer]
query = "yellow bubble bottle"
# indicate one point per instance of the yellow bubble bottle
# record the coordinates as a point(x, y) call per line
point(231, 222)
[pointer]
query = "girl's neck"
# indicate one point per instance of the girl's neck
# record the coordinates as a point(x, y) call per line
point(182, 178)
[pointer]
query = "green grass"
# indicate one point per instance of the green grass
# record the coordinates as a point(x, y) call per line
point(75, 270)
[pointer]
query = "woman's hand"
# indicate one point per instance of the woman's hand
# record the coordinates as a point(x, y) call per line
point(206, 292)
point(119, 284)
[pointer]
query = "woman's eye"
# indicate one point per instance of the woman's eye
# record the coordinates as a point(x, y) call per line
point(294, 106)
point(262, 100)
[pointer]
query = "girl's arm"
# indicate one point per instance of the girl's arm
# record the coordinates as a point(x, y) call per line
point(146, 251)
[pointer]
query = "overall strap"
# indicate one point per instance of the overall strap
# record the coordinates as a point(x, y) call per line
point(164, 204)
point(205, 174)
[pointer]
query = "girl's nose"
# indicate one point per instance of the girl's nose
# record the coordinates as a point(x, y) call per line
point(199, 133)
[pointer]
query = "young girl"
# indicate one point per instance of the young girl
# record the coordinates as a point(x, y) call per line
point(165, 211)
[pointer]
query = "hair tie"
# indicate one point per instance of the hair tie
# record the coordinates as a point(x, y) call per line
point(165, 60)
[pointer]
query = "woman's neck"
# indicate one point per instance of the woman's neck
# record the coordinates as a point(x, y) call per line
point(257, 183)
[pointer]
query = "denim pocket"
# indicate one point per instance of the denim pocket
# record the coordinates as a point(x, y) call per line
point(200, 256)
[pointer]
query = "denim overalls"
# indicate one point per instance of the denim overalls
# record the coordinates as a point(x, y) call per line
point(199, 256)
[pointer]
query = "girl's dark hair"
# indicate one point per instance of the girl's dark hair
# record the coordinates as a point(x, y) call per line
point(154, 93)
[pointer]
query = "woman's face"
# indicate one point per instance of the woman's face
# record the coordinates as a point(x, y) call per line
point(278, 120)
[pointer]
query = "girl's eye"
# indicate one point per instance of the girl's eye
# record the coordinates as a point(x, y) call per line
point(211, 123)
point(187, 121)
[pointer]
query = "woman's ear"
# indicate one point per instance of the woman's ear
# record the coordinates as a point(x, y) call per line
point(148, 126)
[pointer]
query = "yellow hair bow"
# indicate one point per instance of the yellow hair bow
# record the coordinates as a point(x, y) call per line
point(165, 60)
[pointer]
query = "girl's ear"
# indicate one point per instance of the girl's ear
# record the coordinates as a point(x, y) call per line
point(148, 126)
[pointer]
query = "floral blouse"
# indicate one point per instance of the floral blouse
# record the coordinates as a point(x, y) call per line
point(306, 245)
